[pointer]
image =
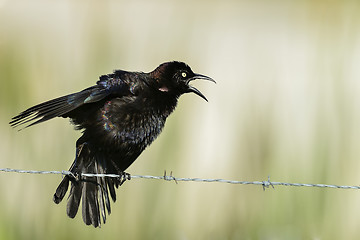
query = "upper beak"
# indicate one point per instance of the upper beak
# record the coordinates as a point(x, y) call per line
point(196, 91)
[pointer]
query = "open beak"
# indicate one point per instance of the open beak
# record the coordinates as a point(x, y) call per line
point(196, 91)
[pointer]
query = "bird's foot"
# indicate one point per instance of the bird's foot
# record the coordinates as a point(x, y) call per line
point(123, 177)
point(74, 177)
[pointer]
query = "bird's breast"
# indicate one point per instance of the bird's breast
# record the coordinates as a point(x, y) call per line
point(124, 123)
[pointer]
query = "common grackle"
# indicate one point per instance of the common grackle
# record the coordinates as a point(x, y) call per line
point(119, 117)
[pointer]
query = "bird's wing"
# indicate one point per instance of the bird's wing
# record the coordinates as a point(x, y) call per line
point(107, 85)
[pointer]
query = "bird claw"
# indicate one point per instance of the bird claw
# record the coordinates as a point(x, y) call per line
point(123, 177)
point(74, 177)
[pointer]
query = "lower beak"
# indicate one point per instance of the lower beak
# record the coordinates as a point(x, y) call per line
point(195, 90)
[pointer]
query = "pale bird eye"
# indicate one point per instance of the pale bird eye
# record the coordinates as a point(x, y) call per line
point(183, 74)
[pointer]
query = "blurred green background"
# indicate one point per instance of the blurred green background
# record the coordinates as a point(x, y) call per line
point(286, 104)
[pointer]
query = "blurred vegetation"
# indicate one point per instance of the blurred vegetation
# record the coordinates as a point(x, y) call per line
point(286, 105)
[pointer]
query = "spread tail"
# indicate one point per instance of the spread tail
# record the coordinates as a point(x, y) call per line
point(93, 191)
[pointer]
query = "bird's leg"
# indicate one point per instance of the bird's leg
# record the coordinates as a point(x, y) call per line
point(75, 176)
point(123, 176)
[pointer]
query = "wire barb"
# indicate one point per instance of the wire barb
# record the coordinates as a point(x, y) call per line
point(267, 184)
point(170, 177)
point(264, 184)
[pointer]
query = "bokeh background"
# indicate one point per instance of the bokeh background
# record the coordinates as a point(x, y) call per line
point(286, 104)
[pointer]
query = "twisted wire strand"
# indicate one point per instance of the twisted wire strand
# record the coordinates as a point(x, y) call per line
point(265, 184)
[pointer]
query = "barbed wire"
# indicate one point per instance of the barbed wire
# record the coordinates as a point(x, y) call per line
point(265, 184)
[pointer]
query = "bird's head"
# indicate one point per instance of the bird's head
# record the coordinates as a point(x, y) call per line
point(174, 77)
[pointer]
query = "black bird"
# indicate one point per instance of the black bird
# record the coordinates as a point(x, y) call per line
point(119, 117)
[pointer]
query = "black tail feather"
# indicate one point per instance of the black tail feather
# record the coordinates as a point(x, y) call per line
point(61, 190)
point(74, 198)
point(90, 204)
point(93, 192)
